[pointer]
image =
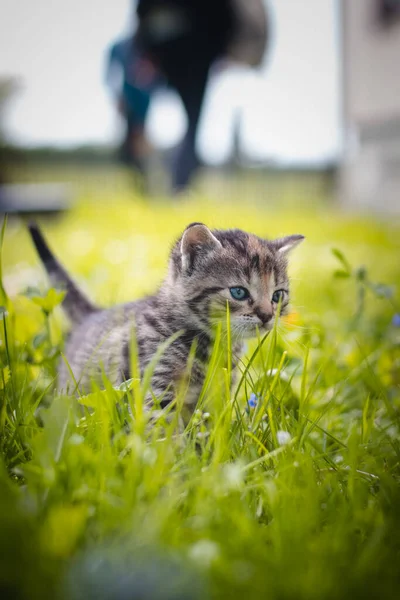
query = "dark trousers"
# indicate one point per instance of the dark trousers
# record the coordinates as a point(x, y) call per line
point(191, 88)
point(185, 58)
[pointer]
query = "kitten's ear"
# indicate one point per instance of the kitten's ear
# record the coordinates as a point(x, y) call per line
point(197, 239)
point(286, 244)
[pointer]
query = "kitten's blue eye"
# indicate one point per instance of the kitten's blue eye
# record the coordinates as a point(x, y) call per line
point(277, 296)
point(239, 293)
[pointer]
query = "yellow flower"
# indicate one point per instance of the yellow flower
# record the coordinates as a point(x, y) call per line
point(292, 319)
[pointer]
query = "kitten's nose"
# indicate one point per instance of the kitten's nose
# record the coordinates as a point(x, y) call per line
point(264, 316)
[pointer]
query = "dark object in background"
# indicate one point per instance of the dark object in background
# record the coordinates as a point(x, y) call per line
point(388, 12)
point(32, 198)
point(184, 38)
point(250, 33)
point(120, 574)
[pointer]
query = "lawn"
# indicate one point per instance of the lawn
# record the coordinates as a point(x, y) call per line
point(286, 485)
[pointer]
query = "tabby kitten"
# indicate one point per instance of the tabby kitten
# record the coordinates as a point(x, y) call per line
point(207, 270)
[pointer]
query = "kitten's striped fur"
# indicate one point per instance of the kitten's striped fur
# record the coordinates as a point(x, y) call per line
point(203, 266)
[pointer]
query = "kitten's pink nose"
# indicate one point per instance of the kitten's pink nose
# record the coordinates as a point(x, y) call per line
point(264, 316)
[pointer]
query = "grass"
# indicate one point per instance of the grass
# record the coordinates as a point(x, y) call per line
point(286, 487)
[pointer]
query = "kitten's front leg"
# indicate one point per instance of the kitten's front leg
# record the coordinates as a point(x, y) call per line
point(163, 398)
point(173, 379)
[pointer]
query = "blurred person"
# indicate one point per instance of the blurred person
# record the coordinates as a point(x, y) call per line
point(388, 12)
point(132, 79)
point(184, 38)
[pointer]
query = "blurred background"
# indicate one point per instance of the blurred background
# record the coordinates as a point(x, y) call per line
point(285, 112)
point(290, 106)
point(314, 91)
point(132, 118)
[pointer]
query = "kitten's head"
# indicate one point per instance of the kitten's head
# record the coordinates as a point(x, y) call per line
point(210, 269)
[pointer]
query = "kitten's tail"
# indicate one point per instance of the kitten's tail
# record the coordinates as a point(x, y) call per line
point(75, 303)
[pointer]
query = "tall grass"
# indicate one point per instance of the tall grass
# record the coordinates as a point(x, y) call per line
point(285, 484)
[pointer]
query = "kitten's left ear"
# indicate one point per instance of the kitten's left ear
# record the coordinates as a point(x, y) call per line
point(197, 239)
point(286, 244)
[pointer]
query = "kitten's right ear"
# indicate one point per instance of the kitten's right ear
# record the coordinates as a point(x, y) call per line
point(197, 239)
point(286, 244)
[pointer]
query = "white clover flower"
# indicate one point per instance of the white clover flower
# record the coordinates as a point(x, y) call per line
point(282, 375)
point(149, 456)
point(283, 437)
point(233, 476)
point(76, 439)
point(204, 552)
point(202, 434)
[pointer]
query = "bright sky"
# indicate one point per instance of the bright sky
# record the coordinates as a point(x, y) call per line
point(290, 107)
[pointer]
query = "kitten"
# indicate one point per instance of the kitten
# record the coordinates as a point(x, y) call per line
point(207, 270)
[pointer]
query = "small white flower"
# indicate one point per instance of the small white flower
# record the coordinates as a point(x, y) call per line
point(149, 456)
point(282, 375)
point(233, 476)
point(283, 437)
point(76, 439)
point(204, 552)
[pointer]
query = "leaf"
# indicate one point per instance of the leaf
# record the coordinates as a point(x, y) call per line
point(98, 398)
point(125, 386)
point(4, 377)
point(361, 274)
point(52, 299)
point(339, 274)
point(3, 293)
point(28, 319)
point(31, 292)
point(39, 339)
point(62, 529)
point(342, 259)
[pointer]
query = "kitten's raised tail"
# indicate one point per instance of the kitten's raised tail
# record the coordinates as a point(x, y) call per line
point(75, 303)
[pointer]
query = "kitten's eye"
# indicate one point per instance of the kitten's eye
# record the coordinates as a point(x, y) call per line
point(239, 293)
point(277, 296)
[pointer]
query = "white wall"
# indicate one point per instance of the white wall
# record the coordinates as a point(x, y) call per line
point(372, 64)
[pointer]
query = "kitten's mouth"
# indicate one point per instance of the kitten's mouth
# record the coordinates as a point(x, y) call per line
point(251, 330)
point(246, 329)
point(262, 329)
